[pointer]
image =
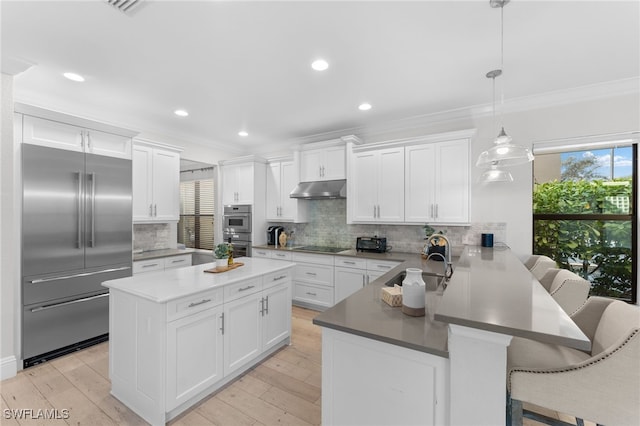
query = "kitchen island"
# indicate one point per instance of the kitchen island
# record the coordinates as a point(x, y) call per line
point(448, 367)
point(178, 335)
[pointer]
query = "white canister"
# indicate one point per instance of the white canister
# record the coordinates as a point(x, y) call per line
point(413, 293)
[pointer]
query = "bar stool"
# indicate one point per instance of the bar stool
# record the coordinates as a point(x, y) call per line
point(539, 264)
point(568, 289)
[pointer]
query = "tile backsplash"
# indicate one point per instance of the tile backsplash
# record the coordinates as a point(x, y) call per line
point(153, 236)
point(327, 227)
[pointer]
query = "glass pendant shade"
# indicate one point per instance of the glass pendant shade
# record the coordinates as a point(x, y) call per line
point(495, 175)
point(504, 153)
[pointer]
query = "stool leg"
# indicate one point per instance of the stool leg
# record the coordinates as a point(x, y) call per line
point(514, 412)
point(579, 422)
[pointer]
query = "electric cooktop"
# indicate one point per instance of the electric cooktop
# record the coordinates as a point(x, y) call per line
point(322, 249)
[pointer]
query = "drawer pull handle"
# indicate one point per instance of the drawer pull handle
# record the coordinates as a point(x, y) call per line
point(178, 261)
point(311, 294)
point(249, 287)
point(280, 254)
point(150, 265)
point(281, 277)
point(384, 266)
point(311, 273)
point(349, 263)
point(202, 302)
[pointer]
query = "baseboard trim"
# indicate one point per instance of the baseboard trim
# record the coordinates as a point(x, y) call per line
point(8, 367)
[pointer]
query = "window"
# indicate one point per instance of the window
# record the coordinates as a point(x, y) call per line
point(195, 228)
point(584, 214)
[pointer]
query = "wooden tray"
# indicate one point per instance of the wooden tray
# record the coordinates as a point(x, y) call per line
point(217, 270)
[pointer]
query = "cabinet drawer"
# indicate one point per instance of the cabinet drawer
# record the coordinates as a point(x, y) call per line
point(276, 278)
point(177, 261)
point(243, 288)
point(314, 274)
point(148, 265)
point(351, 262)
point(316, 295)
point(261, 253)
point(381, 265)
point(281, 255)
point(320, 259)
point(195, 303)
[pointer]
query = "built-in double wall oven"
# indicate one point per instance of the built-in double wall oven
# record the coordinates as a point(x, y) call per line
point(237, 228)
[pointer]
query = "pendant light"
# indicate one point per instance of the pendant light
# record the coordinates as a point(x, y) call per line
point(503, 153)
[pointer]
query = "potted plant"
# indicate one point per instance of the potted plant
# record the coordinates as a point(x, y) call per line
point(222, 254)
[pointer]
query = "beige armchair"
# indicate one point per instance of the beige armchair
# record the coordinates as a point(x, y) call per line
point(568, 289)
point(539, 264)
point(602, 386)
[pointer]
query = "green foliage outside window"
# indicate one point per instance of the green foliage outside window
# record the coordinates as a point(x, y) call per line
point(597, 248)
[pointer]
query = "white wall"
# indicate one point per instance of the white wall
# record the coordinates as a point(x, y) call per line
point(9, 247)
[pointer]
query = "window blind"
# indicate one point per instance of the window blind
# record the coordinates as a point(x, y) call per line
point(195, 228)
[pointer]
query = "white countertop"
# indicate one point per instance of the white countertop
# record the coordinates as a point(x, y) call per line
point(163, 286)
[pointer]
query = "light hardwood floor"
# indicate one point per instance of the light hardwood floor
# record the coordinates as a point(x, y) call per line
point(283, 390)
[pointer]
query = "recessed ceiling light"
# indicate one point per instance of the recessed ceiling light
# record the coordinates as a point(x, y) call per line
point(319, 65)
point(73, 76)
point(243, 133)
point(181, 113)
point(364, 107)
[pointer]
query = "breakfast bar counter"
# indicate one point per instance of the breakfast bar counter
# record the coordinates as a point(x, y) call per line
point(444, 360)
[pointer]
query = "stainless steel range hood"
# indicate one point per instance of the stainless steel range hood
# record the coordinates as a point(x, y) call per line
point(320, 190)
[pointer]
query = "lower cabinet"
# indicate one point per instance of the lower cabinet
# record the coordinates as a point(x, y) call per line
point(242, 331)
point(161, 263)
point(313, 280)
point(194, 355)
point(348, 281)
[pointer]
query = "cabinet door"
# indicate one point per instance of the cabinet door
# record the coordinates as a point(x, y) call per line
point(194, 355)
point(289, 180)
point(365, 192)
point(276, 320)
point(108, 144)
point(38, 131)
point(419, 175)
point(311, 165)
point(142, 180)
point(166, 185)
point(391, 185)
point(229, 184)
point(245, 183)
point(334, 163)
point(274, 196)
point(452, 182)
point(347, 282)
point(242, 331)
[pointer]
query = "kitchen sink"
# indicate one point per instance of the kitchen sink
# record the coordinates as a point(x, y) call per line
point(431, 281)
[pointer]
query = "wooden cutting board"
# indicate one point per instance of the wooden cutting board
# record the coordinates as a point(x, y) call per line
point(217, 270)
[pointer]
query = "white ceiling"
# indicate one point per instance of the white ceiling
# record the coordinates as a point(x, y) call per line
point(246, 65)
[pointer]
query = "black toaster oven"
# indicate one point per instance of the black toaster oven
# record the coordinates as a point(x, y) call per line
point(371, 244)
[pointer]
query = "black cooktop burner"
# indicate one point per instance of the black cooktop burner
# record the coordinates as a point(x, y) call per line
point(323, 249)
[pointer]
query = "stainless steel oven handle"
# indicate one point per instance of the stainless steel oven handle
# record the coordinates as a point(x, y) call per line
point(85, 274)
point(70, 302)
point(79, 242)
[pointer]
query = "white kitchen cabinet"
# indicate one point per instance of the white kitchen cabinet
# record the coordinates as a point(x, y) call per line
point(56, 134)
point(162, 263)
point(237, 183)
point(282, 178)
point(348, 281)
point(194, 355)
point(276, 308)
point(156, 183)
point(323, 164)
point(313, 280)
point(437, 182)
point(377, 186)
point(242, 331)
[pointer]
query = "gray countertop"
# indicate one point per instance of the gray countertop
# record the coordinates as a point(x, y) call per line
point(155, 254)
point(490, 290)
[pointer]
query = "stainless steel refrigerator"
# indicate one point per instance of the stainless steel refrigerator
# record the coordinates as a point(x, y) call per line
point(76, 233)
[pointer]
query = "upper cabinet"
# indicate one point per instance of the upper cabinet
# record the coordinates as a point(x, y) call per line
point(376, 189)
point(418, 180)
point(322, 164)
point(61, 135)
point(156, 182)
point(243, 181)
point(437, 182)
point(282, 178)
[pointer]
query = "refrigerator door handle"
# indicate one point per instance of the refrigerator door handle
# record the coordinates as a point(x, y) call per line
point(85, 274)
point(79, 241)
point(70, 302)
point(92, 240)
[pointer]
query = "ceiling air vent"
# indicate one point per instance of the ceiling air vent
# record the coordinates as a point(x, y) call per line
point(127, 7)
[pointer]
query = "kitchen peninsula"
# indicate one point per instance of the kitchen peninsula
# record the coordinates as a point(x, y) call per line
point(180, 334)
point(380, 366)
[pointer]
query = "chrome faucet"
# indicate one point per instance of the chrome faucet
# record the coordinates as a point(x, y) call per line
point(446, 258)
